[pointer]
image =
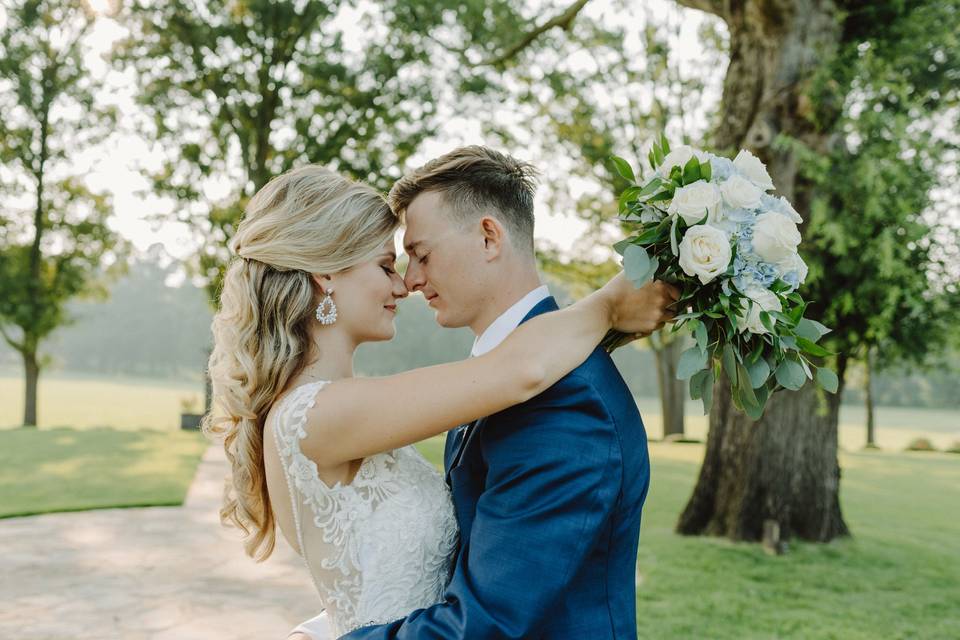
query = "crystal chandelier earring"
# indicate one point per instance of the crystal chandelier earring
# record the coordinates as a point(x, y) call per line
point(327, 309)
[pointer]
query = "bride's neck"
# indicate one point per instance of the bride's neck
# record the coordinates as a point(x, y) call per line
point(331, 357)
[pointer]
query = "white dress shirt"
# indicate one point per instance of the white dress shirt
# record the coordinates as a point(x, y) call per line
point(509, 320)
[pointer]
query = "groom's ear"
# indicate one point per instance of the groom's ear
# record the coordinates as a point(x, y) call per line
point(494, 236)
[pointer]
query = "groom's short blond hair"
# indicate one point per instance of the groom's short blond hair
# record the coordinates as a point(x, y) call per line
point(476, 181)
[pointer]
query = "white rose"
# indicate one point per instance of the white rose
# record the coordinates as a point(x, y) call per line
point(750, 166)
point(740, 193)
point(763, 300)
point(794, 263)
point(696, 200)
point(704, 252)
point(775, 237)
point(788, 209)
point(679, 157)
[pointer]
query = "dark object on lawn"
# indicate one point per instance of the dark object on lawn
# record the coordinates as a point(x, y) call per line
point(772, 543)
point(190, 421)
point(921, 444)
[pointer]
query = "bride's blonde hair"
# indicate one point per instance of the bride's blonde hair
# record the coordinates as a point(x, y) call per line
point(307, 221)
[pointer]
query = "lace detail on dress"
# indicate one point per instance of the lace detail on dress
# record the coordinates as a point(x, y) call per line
point(377, 548)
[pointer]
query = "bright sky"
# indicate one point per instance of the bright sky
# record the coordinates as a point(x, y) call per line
point(113, 166)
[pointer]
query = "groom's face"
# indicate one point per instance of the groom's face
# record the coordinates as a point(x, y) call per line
point(447, 261)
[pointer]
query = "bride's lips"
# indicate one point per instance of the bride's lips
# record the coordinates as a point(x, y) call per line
point(390, 307)
point(430, 299)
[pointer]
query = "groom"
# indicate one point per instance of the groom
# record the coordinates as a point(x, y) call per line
point(548, 493)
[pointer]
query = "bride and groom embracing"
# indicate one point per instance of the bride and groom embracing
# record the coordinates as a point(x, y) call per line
point(532, 532)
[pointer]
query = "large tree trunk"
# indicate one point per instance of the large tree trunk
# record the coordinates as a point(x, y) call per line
point(783, 467)
point(31, 370)
point(673, 392)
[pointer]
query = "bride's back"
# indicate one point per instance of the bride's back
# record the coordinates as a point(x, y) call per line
point(378, 546)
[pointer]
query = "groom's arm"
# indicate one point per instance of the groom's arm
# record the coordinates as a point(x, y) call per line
point(553, 476)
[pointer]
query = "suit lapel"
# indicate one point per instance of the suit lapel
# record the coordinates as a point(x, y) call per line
point(458, 438)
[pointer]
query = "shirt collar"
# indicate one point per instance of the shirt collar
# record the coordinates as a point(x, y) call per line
point(509, 320)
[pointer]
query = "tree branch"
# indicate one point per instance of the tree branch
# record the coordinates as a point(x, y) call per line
point(563, 20)
point(18, 346)
point(715, 7)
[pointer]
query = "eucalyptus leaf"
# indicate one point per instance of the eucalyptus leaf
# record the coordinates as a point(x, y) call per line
point(790, 375)
point(630, 193)
point(707, 392)
point(691, 361)
point(636, 263)
point(621, 246)
point(729, 361)
point(827, 379)
point(673, 237)
point(746, 385)
point(701, 335)
point(650, 187)
point(811, 348)
point(696, 384)
point(759, 371)
point(624, 169)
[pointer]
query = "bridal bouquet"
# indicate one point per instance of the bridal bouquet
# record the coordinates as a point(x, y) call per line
point(709, 226)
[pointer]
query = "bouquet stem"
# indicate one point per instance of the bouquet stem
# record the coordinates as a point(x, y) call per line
point(615, 339)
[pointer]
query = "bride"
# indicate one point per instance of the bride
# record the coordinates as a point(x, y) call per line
point(327, 457)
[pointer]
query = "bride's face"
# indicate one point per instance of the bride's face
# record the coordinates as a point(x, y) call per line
point(366, 297)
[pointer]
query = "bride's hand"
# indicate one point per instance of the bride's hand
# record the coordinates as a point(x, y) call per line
point(640, 311)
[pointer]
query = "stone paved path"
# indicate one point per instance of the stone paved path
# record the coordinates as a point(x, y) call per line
point(162, 573)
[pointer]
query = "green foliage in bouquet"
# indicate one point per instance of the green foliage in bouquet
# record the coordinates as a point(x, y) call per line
point(758, 337)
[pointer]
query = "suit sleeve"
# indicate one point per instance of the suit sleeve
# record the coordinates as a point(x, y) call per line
point(552, 480)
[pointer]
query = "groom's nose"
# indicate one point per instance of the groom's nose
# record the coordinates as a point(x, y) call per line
point(414, 277)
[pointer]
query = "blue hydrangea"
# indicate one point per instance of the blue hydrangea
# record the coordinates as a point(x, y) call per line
point(792, 278)
point(720, 168)
point(739, 215)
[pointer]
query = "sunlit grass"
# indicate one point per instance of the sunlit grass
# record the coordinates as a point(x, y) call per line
point(43, 471)
point(897, 577)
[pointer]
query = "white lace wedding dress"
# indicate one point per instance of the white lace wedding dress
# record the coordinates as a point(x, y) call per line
point(377, 548)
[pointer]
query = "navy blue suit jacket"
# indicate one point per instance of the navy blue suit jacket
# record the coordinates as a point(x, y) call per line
point(548, 496)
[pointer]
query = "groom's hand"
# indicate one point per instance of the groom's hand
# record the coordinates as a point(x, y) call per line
point(642, 311)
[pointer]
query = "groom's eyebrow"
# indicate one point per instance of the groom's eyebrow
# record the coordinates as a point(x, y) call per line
point(410, 248)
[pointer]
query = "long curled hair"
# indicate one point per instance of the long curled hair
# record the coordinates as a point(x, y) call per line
point(307, 221)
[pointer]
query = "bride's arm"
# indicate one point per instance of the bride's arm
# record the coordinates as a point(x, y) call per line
point(358, 417)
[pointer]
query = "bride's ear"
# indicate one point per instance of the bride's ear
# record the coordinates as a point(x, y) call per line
point(322, 282)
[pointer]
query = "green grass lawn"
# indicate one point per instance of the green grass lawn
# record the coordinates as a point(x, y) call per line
point(70, 470)
point(84, 402)
point(897, 577)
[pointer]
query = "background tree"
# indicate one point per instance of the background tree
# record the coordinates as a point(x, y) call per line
point(790, 94)
point(238, 92)
point(55, 241)
point(862, 175)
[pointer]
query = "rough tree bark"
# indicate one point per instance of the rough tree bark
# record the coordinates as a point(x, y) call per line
point(783, 467)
